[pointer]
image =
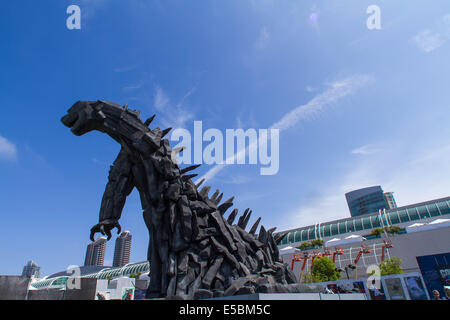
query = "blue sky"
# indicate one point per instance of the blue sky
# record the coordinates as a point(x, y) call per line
point(358, 107)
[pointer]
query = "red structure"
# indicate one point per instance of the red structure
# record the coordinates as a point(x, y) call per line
point(337, 251)
point(387, 245)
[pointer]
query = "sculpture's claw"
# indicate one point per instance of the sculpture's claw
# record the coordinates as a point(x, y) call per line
point(92, 234)
point(119, 228)
point(105, 228)
point(108, 234)
point(102, 229)
point(94, 230)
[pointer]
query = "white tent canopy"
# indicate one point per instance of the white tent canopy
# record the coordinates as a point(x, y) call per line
point(355, 236)
point(438, 223)
point(288, 249)
point(415, 225)
point(350, 239)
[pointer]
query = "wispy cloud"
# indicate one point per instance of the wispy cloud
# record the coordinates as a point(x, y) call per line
point(132, 87)
point(428, 40)
point(336, 91)
point(236, 179)
point(89, 7)
point(125, 68)
point(431, 39)
point(246, 119)
point(263, 38)
point(173, 115)
point(160, 99)
point(99, 162)
point(8, 150)
point(366, 150)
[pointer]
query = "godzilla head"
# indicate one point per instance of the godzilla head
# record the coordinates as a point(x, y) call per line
point(120, 123)
point(86, 116)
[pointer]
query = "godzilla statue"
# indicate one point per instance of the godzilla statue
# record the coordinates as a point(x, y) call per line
point(194, 252)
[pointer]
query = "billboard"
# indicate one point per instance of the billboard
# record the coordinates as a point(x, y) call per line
point(415, 288)
point(377, 293)
point(435, 271)
point(395, 289)
point(444, 273)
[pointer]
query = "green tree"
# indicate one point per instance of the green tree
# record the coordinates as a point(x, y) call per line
point(376, 232)
point(307, 277)
point(393, 229)
point(317, 242)
point(391, 266)
point(305, 245)
point(135, 275)
point(324, 269)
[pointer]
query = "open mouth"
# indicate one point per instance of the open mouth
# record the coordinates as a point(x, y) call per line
point(74, 122)
point(69, 119)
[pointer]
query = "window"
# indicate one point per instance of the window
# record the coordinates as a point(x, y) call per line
point(403, 216)
point(423, 212)
point(375, 220)
point(303, 235)
point(297, 236)
point(334, 229)
point(311, 234)
point(358, 224)
point(366, 223)
point(327, 231)
point(443, 207)
point(413, 214)
point(394, 217)
point(432, 208)
point(289, 237)
point(341, 227)
point(322, 231)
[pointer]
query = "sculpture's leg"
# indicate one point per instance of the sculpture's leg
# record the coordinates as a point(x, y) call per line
point(163, 250)
point(154, 288)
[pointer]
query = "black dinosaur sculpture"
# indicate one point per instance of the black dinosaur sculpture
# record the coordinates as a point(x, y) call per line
point(194, 252)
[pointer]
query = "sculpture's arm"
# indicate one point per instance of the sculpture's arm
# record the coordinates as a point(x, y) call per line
point(119, 186)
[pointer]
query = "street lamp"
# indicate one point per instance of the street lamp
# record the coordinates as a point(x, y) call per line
point(346, 268)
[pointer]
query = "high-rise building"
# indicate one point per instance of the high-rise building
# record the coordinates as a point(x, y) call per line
point(368, 200)
point(122, 249)
point(95, 253)
point(390, 201)
point(31, 269)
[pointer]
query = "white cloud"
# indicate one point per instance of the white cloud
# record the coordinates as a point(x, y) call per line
point(237, 179)
point(428, 40)
point(336, 91)
point(431, 39)
point(160, 99)
point(263, 38)
point(125, 69)
point(174, 116)
point(89, 7)
point(8, 150)
point(366, 150)
point(132, 87)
